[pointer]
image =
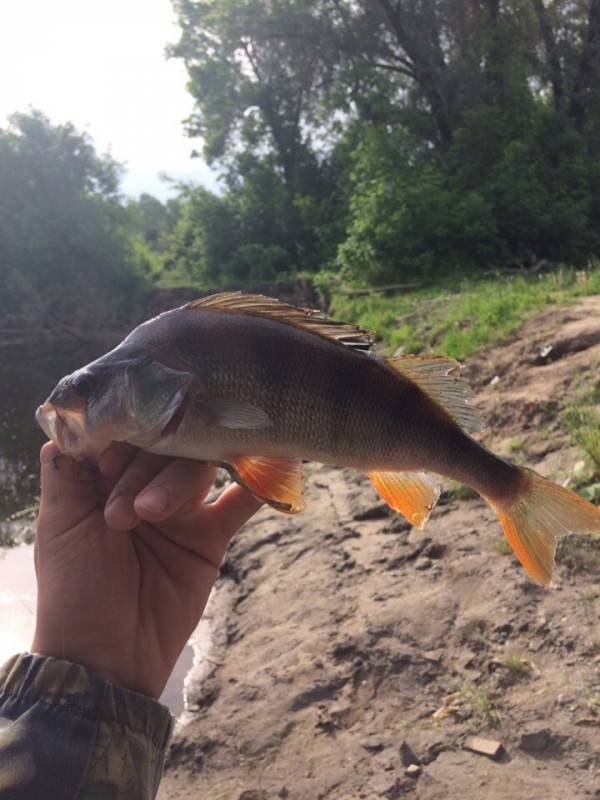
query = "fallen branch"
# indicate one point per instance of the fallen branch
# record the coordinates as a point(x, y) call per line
point(391, 287)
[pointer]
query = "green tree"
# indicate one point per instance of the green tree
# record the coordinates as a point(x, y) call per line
point(259, 93)
point(395, 138)
point(65, 248)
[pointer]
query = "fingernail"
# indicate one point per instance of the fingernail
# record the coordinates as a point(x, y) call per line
point(154, 500)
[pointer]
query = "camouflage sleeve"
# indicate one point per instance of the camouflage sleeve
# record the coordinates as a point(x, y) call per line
point(67, 734)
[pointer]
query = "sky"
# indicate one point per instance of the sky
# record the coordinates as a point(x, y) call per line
point(102, 66)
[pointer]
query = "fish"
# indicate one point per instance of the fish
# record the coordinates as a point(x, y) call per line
point(259, 386)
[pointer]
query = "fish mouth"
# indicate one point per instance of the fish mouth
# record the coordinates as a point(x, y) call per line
point(47, 418)
point(62, 429)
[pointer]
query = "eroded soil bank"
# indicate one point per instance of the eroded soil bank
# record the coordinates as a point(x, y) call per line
point(347, 631)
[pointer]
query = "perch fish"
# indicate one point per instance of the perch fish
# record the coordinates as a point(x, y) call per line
point(258, 386)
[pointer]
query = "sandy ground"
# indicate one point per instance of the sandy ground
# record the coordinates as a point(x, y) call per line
point(351, 646)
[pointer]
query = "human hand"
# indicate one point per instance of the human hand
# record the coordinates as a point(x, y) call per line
point(122, 583)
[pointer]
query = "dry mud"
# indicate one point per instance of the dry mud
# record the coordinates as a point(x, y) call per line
point(350, 645)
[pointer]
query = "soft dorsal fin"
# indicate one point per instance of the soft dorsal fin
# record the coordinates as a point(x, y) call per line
point(306, 319)
point(436, 376)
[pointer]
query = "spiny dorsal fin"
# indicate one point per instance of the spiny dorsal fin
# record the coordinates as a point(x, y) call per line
point(436, 375)
point(306, 319)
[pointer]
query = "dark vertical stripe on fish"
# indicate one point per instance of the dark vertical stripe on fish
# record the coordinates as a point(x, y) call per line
point(342, 394)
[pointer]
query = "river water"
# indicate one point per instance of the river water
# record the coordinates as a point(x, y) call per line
point(27, 375)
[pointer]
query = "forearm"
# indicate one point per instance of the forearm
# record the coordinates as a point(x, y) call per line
point(65, 733)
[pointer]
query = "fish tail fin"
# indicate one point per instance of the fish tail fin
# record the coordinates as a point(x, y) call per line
point(537, 515)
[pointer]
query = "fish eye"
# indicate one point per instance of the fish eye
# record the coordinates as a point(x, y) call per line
point(83, 385)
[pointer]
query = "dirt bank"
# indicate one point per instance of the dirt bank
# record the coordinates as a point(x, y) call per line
point(356, 645)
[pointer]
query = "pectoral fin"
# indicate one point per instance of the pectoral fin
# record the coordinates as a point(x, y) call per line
point(277, 481)
point(413, 494)
point(235, 414)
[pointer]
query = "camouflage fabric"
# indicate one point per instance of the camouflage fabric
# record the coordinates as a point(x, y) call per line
point(67, 734)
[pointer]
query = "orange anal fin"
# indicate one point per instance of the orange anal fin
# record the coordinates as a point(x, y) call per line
point(413, 494)
point(277, 481)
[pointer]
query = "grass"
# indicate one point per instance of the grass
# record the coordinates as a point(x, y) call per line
point(460, 491)
point(582, 422)
point(480, 640)
point(486, 707)
point(458, 320)
point(514, 445)
point(471, 700)
point(502, 547)
point(518, 668)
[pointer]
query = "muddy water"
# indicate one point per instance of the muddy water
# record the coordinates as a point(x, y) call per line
point(27, 375)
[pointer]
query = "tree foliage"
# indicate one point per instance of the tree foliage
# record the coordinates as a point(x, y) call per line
point(391, 138)
point(65, 246)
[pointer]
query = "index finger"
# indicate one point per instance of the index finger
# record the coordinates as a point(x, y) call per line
point(182, 485)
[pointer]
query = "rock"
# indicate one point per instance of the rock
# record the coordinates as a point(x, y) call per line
point(372, 745)
point(485, 747)
point(435, 656)
point(563, 699)
point(407, 755)
point(412, 771)
point(535, 741)
point(546, 350)
point(423, 563)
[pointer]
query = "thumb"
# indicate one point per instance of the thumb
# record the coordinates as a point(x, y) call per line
point(68, 489)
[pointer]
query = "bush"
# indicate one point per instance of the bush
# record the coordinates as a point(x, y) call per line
point(511, 190)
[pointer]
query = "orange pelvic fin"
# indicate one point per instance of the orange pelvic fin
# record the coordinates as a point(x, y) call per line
point(438, 377)
point(277, 481)
point(539, 514)
point(413, 494)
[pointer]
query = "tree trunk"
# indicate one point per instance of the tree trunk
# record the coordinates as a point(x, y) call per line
point(554, 65)
point(588, 65)
point(427, 75)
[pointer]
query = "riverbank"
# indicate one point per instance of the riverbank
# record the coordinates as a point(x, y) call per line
point(360, 657)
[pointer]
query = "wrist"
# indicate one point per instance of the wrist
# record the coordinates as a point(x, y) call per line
point(120, 674)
